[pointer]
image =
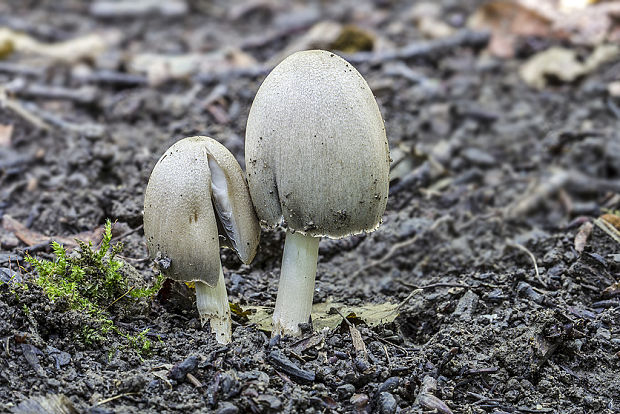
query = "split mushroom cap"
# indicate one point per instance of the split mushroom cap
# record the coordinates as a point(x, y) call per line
point(194, 175)
point(316, 150)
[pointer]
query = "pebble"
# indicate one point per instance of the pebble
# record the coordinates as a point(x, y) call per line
point(478, 157)
point(389, 384)
point(345, 390)
point(359, 400)
point(225, 407)
point(387, 403)
point(180, 370)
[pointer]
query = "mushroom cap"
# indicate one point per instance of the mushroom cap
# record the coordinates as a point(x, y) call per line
point(316, 150)
point(192, 177)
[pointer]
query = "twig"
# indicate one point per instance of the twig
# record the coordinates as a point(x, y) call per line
point(608, 228)
point(17, 69)
point(116, 397)
point(20, 110)
point(120, 297)
point(529, 253)
point(397, 247)
point(88, 130)
point(193, 380)
point(128, 233)
point(83, 95)
point(463, 38)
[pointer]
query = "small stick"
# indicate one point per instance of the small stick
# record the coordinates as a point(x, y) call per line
point(116, 397)
point(193, 380)
point(529, 253)
point(127, 233)
point(16, 107)
point(397, 247)
point(608, 228)
point(119, 298)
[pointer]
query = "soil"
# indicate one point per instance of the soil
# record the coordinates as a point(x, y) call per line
point(491, 183)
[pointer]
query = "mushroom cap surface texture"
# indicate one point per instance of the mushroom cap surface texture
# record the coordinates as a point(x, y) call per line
point(192, 177)
point(316, 150)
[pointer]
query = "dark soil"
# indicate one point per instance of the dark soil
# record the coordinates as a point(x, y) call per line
point(487, 173)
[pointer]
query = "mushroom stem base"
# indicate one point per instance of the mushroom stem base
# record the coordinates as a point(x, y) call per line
point(296, 287)
point(212, 303)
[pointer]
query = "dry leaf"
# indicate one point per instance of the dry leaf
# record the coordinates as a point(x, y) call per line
point(582, 236)
point(85, 47)
point(564, 64)
point(160, 68)
point(6, 131)
point(322, 317)
point(581, 21)
point(31, 238)
point(507, 21)
point(612, 219)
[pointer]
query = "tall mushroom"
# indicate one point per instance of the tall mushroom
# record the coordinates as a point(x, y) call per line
point(192, 177)
point(317, 157)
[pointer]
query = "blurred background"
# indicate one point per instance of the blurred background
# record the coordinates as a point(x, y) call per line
point(503, 120)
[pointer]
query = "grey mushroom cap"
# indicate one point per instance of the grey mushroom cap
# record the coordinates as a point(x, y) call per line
point(316, 150)
point(196, 184)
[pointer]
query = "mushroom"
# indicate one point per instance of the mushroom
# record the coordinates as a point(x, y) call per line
point(317, 157)
point(193, 176)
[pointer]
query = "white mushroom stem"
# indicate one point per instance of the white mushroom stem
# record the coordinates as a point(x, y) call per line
point(212, 303)
point(296, 288)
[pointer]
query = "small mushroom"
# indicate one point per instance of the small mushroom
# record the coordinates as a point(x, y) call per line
point(317, 158)
point(180, 222)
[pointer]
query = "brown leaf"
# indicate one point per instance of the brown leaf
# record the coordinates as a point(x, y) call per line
point(582, 236)
point(585, 23)
point(612, 219)
point(31, 238)
point(507, 21)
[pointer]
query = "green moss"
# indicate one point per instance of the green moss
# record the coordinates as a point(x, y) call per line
point(89, 279)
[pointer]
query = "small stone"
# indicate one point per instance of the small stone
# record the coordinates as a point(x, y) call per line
point(345, 390)
point(387, 403)
point(478, 157)
point(389, 385)
point(225, 407)
point(466, 306)
point(359, 400)
point(273, 402)
point(180, 370)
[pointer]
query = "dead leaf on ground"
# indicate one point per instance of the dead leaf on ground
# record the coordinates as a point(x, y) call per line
point(507, 21)
point(322, 317)
point(31, 238)
point(88, 46)
point(564, 64)
point(582, 236)
point(582, 22)
point(427, 16)
point(612, 219)
point(160, 68)
point(6, 132)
